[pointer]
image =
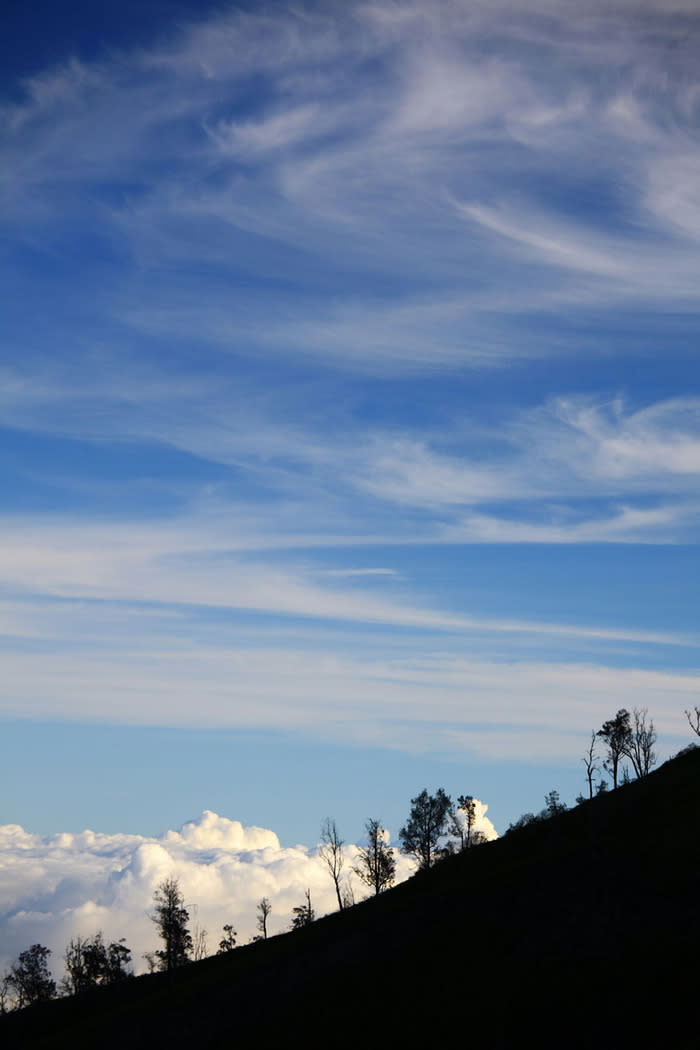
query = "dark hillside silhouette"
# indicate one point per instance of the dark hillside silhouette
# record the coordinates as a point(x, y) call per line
point(577, 931)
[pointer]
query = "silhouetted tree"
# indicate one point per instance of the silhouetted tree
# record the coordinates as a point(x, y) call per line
point(29, 978)
point(376, 864)
point(616, 733)
point(228, 941)
point(331, 853)
point(118, 959)
point(199, 943)
point(553, 805)
point(5, 994)
point(462, 821)
point(264, 909)
point(348, 894)
point(640, 747)
point(522, 822)
point(303, 914)
point(76, 979)
point(589, 760)
point(694, 719)
point(90, 962)
point(171, 918)
point(427, 824)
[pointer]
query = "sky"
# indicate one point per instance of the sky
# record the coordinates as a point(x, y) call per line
point(349, 410)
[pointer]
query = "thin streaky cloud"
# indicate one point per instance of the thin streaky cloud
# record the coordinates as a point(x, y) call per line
point(185, 567)
point(355, 572)
point(331, 695)
point(625, 525)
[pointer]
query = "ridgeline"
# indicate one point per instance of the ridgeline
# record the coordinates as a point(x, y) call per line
point(579, 931)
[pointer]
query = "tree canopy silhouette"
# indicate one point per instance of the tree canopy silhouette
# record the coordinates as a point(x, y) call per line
point(303, 914)
point(171, 919)
point(616, 734)
point(29, 978)
point(90, 962)
point(426, 825)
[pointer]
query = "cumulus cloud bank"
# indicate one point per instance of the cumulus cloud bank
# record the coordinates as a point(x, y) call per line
point(58, 886)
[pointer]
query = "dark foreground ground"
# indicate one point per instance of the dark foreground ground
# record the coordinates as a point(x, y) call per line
point(582, 931)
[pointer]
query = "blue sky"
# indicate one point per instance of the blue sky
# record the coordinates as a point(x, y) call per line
point(349, 408)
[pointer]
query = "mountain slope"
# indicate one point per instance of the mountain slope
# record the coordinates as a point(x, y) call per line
point(582, 930)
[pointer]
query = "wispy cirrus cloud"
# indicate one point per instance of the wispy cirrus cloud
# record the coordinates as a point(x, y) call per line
point(620, 525)
point(200, 564)
point(421, 697)
point(403, 116)
point(551, 463)
point(574, 469)
point(657, 442)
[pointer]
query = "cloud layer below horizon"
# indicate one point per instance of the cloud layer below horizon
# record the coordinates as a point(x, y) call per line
point(60, 886)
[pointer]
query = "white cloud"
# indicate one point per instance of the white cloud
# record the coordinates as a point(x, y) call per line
point(367, 125)
point(624, 271)
point(546, 464)
point(408, 471)
point(275, 132)
point(622, 525)
point(58, 886)
point(188, 564)
point(481, 823)
point(567, 451)
point(609, 442)
point(440, 694)
point(560, 246)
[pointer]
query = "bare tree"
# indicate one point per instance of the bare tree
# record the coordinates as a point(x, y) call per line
point(640, 746)
point(5, 997)
point(348, 894)
point(377, 866)
point(151, 961)
point(199, 943)
point(589, 761)
point(694, 719)
point(331, 852)
point(263, 911)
